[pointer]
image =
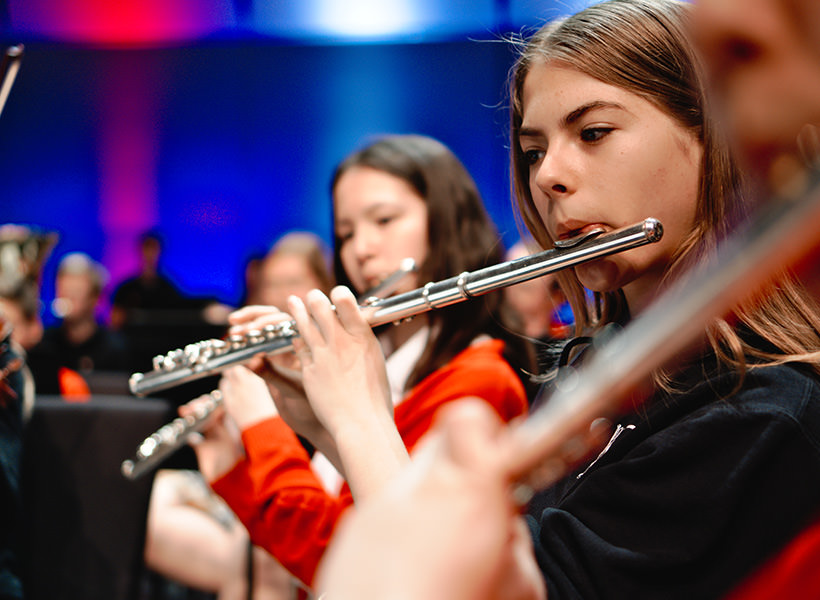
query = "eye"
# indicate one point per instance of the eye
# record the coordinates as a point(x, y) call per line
point(595, 134)
point(531, 157)
point(385, 220)
point(344, 237)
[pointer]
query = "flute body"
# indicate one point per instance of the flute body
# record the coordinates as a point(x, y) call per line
point(213, 356)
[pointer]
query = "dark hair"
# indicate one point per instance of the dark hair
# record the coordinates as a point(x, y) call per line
point(153, 236)
point(461, 237)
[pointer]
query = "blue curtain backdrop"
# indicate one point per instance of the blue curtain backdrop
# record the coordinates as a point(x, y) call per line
point(225, 142)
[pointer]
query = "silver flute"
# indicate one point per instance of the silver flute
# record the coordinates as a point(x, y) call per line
point(167, 439)
point(212, 356)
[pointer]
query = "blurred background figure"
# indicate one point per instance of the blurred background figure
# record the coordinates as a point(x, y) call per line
point(80, 342)
point(545, 315)
point(540, 302)
point(23, 251)
point(148, 290)
point(154, 315)
point(193, 538)
point(250, 291)
point(20, 310)
point(20, 306)
point(296, 264)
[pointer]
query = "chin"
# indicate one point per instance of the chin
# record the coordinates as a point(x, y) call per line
point(600, 276)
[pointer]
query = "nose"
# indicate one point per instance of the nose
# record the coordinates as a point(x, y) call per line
point(364, 243)
point(552, 174)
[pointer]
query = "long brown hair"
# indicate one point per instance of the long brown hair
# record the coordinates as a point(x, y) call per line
point(461, 237)
point(643, 46)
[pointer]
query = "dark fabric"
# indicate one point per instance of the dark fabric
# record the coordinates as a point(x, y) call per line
point(706, 486)
point(84, 521)
point(11, 435)
point(104, 351)
point(157, 293)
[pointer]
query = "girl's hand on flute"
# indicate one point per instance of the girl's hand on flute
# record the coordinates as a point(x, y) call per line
point(218, 447)
point(343, 366)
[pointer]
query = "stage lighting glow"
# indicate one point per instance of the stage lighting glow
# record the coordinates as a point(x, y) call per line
point(372, 21)
point(368, 18)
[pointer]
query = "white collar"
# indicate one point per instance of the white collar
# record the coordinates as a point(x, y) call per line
point(403, 360)
point(399, 364)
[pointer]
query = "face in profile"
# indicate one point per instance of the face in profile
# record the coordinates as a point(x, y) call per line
point(380, 220)
point(600, 156)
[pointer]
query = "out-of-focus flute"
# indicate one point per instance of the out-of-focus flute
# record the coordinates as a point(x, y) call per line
point(212, 356)
point(167, 439)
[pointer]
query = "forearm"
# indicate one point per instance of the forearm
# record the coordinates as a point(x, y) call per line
point(371, 452)
point(283, 504)
point(323, 442)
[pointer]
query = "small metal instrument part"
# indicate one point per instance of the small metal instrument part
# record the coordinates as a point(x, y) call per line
point(388, 286)
point(578, 239)
point(8, 71)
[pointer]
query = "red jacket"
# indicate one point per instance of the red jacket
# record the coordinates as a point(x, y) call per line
point(793, 573)
point(282, 503)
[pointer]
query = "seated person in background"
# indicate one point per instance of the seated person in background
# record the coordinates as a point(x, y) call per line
point(540, 301)
point(80, 342)
point(148, 290)
point(250, 283)
point(25, 251)
point(296, 264)
point(153, 314)
point(545, 312)
point(192, 537)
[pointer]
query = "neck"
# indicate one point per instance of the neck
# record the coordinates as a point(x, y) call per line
point(399, 334)
point(641, 293)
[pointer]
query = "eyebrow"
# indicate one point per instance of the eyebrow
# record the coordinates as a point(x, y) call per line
point(369, 212)
point(573, 115)
point(589, 106)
